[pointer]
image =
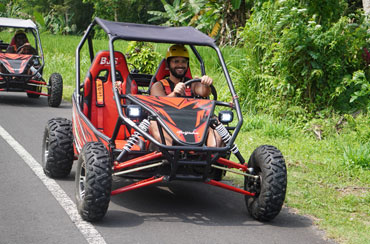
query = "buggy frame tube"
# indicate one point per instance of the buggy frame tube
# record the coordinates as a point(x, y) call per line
point(135, 161)
point(228, 187)
point(91, 48)
point(231, 164)
point(136, 185)
point(195, 51)
point(40, 48)
point(78, 49)
point(234, 96)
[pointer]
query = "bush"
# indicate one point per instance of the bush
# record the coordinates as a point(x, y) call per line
point(301, 56)
point(143, 57)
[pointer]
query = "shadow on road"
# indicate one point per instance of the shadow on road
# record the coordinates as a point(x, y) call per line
point(188, 202)
point(20, 99)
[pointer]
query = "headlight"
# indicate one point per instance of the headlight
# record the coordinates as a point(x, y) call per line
point(225, 117)
point(133, 111)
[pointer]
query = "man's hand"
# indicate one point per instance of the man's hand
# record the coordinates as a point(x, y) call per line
point(206, 80)
point(179, 89)
point(202, 88)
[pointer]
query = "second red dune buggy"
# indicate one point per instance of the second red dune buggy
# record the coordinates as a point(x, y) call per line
point(22, 64)
point(109, 132)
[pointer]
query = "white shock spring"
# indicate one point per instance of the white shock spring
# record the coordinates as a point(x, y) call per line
point(134, 138)
point(225, 136)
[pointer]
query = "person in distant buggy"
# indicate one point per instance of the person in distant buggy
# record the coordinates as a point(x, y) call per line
point(20, 44)
point(177, 58)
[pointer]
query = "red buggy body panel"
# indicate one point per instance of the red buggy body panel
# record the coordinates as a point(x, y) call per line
point(15, 63)
point(186, 118)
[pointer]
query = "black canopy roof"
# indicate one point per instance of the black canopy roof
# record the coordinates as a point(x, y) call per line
point(154, 33)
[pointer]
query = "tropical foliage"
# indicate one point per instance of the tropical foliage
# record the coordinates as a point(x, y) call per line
point(219, 19)
point(307, 55)
point(142, 57)
point(303, 56)
point(73, 16)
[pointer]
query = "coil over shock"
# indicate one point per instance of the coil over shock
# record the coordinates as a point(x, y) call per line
point(133, 139)
point(225, 136)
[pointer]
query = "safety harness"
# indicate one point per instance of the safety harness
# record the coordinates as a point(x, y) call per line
point(169, 86)
point(100, 103)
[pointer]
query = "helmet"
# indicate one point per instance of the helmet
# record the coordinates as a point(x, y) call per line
point(19, 32)
point(177, 51)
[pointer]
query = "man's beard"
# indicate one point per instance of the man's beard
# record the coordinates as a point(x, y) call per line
point(179, 76)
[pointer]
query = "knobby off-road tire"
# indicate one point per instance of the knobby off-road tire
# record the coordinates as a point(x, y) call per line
point(93, 181)
point(269, 164)
point(55, 90)
point(57, 148)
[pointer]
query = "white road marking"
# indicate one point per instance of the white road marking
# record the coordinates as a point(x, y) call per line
point(89, 232)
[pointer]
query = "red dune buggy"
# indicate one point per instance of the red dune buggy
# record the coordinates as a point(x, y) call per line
point(21, 66)
point(112, 111)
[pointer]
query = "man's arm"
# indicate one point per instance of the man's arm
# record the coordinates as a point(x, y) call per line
point(158, 90)
point(10, 49)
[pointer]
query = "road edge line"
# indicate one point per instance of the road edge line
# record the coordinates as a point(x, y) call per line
point(91, 235)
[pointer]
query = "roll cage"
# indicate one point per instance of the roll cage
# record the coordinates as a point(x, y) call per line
point(159, 34)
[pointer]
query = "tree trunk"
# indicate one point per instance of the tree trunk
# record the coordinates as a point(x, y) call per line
point(366, 5)
point(232, 21)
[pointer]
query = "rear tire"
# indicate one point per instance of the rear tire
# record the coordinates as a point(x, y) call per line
point(55, 90)
point(57, 148)
point(269, 164)
point(93, 181)
point(33, 95)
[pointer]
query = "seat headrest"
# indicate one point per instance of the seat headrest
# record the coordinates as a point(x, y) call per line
point(102, 62)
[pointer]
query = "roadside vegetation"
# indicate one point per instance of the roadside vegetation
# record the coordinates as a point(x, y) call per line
point(301, 69)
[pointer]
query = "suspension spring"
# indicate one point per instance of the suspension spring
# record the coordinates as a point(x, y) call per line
point(134, 138)
point(225, 136)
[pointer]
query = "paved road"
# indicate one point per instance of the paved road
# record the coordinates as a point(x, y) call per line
point(167, 213)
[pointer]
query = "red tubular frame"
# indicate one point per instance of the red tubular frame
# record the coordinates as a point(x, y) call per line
point(34, 92)
point(37, 82)
point(136, 185)
point(39, 93)
point(231, 164)
point(228, 187)
point(153, 180)
point(134, 161)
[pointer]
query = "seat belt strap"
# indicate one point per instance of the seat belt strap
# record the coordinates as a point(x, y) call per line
point(166, 85)
point(100, 103)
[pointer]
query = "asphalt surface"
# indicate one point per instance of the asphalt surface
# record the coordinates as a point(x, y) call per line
point(176, 212)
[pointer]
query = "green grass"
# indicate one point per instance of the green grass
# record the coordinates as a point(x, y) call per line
point(328, 179)
point(321, 181)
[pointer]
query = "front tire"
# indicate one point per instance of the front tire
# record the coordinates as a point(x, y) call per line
point(93, 181)
point(269, 164)
point(57, 148)
point(55, 90)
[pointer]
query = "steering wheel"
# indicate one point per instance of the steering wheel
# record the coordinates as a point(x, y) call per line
point(134, 70)
point(20, 49)
point(213, 89)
